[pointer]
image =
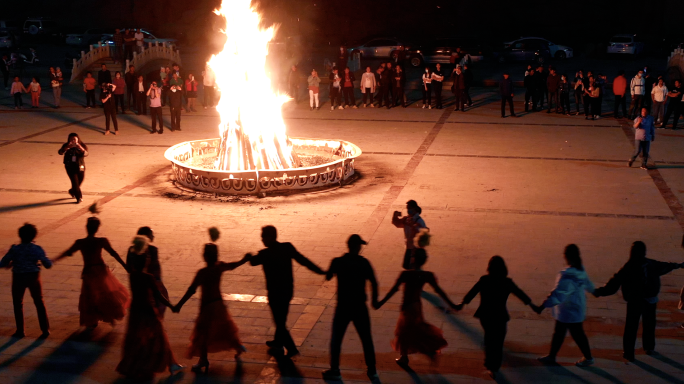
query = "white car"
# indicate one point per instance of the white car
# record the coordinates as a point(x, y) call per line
point(557, 51)
point(625, 44)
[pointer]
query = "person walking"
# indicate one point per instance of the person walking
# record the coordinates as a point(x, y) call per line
point(569, 305)
point(35, 90)
point(552, 84)
point(103, 297)
point(637, 89)
point(412, 333)
point(215, 330)
point(140, 96)
point(119, 92)
point(564, 95)
point(335, 89)
point(175, 102)
point(398, 83)
point(579, 91)
point(644, 134)
point(367, 86)
point(458, 88)
point(494, 289)
point(468, 82)
point(427, 88)
point(74, 151)
point(352, 271)
point(108, 105)
point(130, 78)
point(530, 84)
point(25, 259)
point(506, 92)
point(313, 82)
point(56, 85)
point(208, 87)
point(674, 106)
point(150, 260)
point(659, 97)
point(639, 279)
point(17, 89)
point(348, 88)
point(154, 93)
point(412, 223)
point(191, 92)
point(276, 261)
point(437, 79)
point(620, 90)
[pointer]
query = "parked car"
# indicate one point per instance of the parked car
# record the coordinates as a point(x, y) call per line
point(445, 51)
point(557, 51)
point(42, 27)
point(147, 38)
point(382, 47)
point(625, 44)
point(8, 39)
point(531, 50)
point(91, 36)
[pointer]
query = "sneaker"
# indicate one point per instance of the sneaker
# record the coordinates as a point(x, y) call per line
point(340, 107)
point(644, 167)
point(429, 106)
point(346, 106)
point(629, 163)
point(332, 109)
point(364, 105)
point(355, 107)
point(372, 106)
point(423, 106)
point(547, 360)
point(332, 374)
point(584, 362)
point(115, 132)
point(107, 132)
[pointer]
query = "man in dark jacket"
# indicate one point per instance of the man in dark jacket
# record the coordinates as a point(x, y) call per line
point(398, 83)
point(640, 282)
point(459, 88)
point(530, 84)
point(468, 80)
point(386, 84)
point(506, 91)
point(130, 78)
point(104, 76)
point(542, 74)
point(552, 83)
point(379, 93)
point(175, 105)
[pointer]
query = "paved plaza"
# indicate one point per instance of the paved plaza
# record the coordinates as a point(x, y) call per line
point(520, 188)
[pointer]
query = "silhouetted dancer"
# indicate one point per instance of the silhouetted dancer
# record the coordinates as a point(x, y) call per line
point(146, 348)
point(24, 260)
point(214, 330)
point(640, 282)
point(103, 297)
point(412, 224)
point(276, 260)
point(413, 334)
point(152, 265)
point(494, 289)
point(569, 305)
point(352, 270)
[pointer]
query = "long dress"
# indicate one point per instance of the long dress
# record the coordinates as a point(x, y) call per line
point(413, 334)
point(103, 297)
point(153, 267)
point(214, 330)
point(146, 347)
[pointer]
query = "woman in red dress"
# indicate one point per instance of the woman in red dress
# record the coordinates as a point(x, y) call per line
point(146, 349)
point(103, 297)
point(214, 330)
point(413, 334)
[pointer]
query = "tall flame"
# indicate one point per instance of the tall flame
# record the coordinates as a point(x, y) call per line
point(252, 129)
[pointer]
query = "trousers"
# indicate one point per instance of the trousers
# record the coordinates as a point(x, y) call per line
point(427, 94)
point(674, 106)
point(507, 99)
point(57, 93)
point(280, 307)
point(565, 102)
point(156, 113)
point(553, 98)
point(20, 283)
point(110, 114)
point(90, 98)
point(459, 95)
point(635, 311)
point(141, 103)
point(335, 97)
point(658, 110)
point(349, 96)
point(175, 118)
point(119, 103)
point(494, 336)
point(577, 333)
point(76, 176)
point(635, 106)
point(367, 94)
point(642, 147)
point(357, 314)
point(620, 100)
point(437, 87)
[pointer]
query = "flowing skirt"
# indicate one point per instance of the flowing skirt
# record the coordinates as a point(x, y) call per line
point(146, 348)
point(414, 335)
point(214, 331)
point(103, 297)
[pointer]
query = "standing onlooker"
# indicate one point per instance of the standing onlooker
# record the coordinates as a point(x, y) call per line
point(129, 44)
point(140, 96)
point(619, 90)
point(342, 58)
point(368, 87)
point(530, 84)
point(644, 133)
point(458, 88)
point(74, 151)
point(348, 88)
point(637, 89)
point(386, 87)
point(35, 89)
point(552, 83)
point(335, 89)
point(293, 81)
point(675, 97)
point(579, 90)
point(24, 259)
point(89, 84)
point(593, 99)
point(389, 71)
point(427, 88)
point(166, 86)
point(130, 78)
point(588, 90)
point(494, 289)
point(378, 84)
point(412, 223)
point(543, 89)
point(56, 85)
point(313, 81)
point(569, 305)
point(191, 92)
point(208, 84)
point(5, 69)
point(601, 81)
point(564, 95)
point(437, 79)
point(649, 82)
point(468, 82)
point(118, 46)
point(104, 76)
point(139, 40)
point(639, 279)
point(156, 107)
point(659, 97)
point(175, 103)
point(506, 91)
point(398, 83)
point(119, 92)
point(108, 105)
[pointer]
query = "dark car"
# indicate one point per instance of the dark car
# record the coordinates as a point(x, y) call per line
point(381, 47)
point(446, 51)
point(530, 50)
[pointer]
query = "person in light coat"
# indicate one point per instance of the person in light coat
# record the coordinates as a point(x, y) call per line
point(368, 87)
point(569, 305)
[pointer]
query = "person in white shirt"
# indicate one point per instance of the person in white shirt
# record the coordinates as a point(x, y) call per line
point(156, 107)
point(368, 87)
point(637, 88)
point(659, 97)
point(139, 40)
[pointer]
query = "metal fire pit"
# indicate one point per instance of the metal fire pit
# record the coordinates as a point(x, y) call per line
point(262, 182)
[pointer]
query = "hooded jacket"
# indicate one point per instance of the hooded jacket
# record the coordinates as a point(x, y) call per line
point(567, 299)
